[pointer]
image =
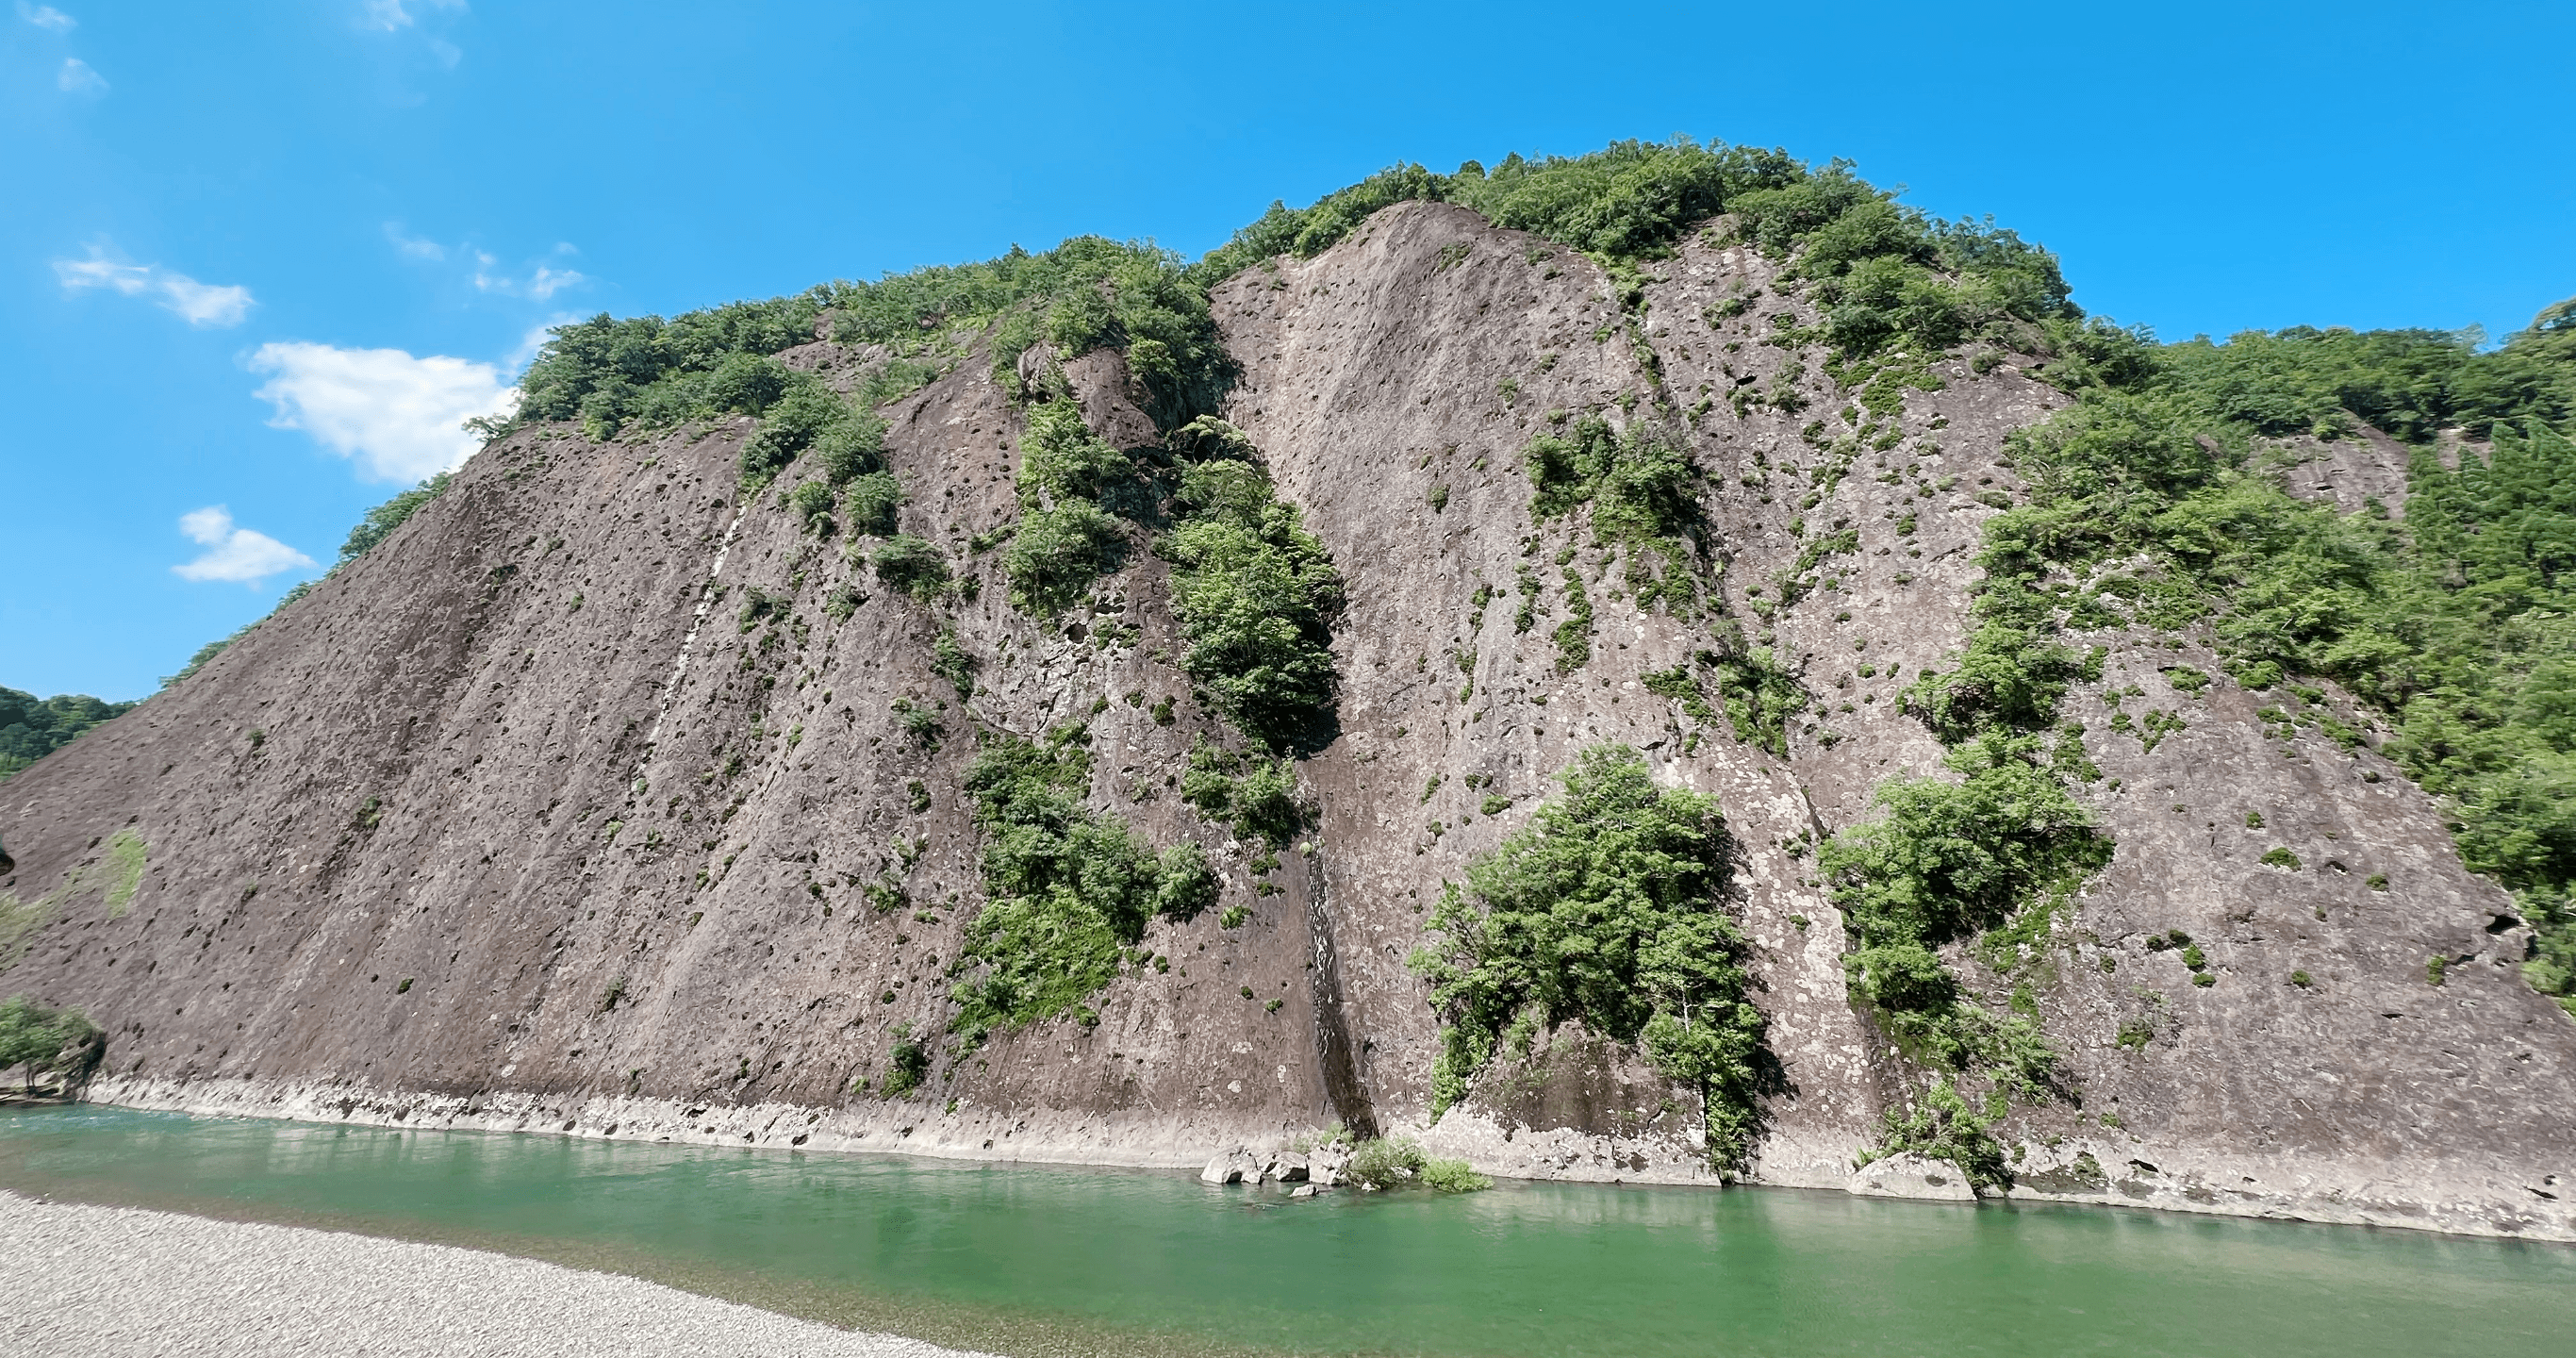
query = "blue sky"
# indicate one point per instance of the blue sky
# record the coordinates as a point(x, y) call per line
point(256, 257)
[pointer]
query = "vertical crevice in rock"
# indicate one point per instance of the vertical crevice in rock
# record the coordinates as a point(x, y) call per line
point(1342, 1085)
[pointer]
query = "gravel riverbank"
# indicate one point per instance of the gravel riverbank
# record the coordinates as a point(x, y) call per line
point(114, 1282)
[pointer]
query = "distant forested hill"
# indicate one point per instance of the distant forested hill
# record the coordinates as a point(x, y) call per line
point(33, 727)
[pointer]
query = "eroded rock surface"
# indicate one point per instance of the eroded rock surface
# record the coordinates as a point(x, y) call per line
point(1909, 1175)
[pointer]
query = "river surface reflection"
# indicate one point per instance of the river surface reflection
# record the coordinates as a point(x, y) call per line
point(1029, 1259)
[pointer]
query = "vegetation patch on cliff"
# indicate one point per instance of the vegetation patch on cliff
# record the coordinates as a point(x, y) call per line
point(1630, 200)
point(1253, 796)
point(1085, 294)
point(1889, 277)
point(1948, 861)
point(1607, 910)
point(1064, 540)
point(2157, 501)
point(1255, 592)
point(117, 874)
point(1067, 889)
point(1644, 496)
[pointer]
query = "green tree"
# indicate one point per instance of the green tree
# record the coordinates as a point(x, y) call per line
point(46, 1040)
point(910, 564)
point(1256, 594)
point(1058, 552)
point(382, 520)
point(32, 727)
point(1608, 909)
point(1067, 889)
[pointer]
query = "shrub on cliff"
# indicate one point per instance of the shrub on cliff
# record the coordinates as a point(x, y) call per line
point(790, 425)
point(910, 564)
point(1256, 594)
point(871, 504)
point(1087, 293)
point(606, 367)
point(812, 501)
point(851, 446)
point(2155, 500)
point(906, 1066)
point(1255, 797)
point(2004, 846)
point(1886, 274)
point(1067, 889)
point(1061, 459)
point(1058, 552)
point(1065, 539)
point(1607, 909)
point(1643, 491)
point(1630, 200)
point(381, 521)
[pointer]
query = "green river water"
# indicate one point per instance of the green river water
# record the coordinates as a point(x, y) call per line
point(1031, 1260)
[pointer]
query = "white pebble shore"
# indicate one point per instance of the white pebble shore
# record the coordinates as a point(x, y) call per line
point(116, 1282)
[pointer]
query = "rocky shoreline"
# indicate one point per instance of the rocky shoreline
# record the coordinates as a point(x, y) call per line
point(123, 1281)
point(2455, 1197)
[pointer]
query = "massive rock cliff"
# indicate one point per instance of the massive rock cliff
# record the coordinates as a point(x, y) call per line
point(562, 808)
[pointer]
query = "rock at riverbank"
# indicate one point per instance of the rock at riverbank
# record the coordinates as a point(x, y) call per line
point(1908, 1175)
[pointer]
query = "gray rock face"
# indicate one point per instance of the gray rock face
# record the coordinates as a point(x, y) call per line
point(2353, 472)
point(1908, 1175)
point(542, 829)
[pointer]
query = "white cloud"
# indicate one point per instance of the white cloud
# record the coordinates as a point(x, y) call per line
point(414, 247)
point(202, 304)
point(389, 15)
point(47, 17)
point(78, 78)
point(100, 272)
point(541, 284)
point(234, 554)
point(547, 282)
point(400, 415)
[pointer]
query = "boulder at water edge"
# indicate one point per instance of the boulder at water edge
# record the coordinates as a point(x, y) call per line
point(1908, 1175)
